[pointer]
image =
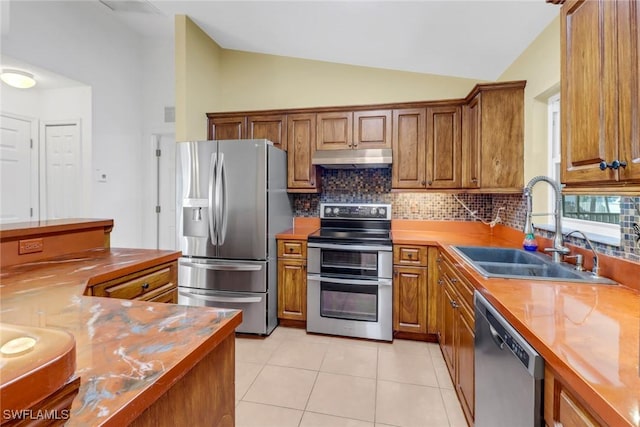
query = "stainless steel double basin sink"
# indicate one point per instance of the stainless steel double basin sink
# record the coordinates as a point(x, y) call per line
point(519, 264)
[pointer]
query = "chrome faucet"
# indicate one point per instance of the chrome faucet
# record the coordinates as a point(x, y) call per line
point(595, 268)
point(558, 249)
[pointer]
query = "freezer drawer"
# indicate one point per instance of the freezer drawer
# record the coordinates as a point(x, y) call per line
point(253, 306)
point(223, 275)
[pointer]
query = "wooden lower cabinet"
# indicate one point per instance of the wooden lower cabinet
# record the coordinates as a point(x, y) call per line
point(414, 292)
point(561, 408)
point(156, 284)
point(410, 299)
point(292, 289)
point(292, 280)
point(456, 332)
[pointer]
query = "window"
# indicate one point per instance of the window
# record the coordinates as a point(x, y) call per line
point(588, 213)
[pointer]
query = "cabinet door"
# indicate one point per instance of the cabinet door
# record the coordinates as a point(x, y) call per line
point(372, 129)
point(588, 90)
point(448, 325)
point(464, 342)
point(301, 144)
point(228, 128)
point(271, 127)
point(628, 18)
point(409, 157)
point(471, 144)
point(443, 147)
point(410, 299)
point(292, 289)
point(335, 131)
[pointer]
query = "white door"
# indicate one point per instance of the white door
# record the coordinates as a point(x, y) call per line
point(166, 196)
point(63, 171)
point(18, 177)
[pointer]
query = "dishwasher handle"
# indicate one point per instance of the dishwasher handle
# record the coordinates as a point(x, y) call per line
point(496, 337)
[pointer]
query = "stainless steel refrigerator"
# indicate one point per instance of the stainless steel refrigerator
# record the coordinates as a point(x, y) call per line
point(231, 202)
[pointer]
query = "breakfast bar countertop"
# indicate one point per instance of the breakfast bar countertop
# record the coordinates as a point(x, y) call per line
point(128, 353)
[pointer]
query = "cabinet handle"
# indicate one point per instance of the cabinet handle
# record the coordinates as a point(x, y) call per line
point(474, 180)
point(440, 282)
point(615, 165)
point(410, 256)
point(290, 249)
point(454, 304)
point(429, 182)
point(424, 182)
point(454, 280)
point(145, 286)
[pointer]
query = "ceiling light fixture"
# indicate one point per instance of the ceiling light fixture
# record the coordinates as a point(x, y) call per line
point(18, 78)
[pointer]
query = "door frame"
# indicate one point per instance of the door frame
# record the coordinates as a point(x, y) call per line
point(42, 155)
point(35, 160)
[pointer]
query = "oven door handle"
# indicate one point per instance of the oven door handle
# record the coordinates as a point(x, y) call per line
point(350, 248)
point(378, 282)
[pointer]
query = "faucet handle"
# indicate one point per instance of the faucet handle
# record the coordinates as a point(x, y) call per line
point(562, 250)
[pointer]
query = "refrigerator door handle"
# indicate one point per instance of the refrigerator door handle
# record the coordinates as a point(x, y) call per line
point(241, 300)
point(223, 267)
point(212, 198)
point(222, 182)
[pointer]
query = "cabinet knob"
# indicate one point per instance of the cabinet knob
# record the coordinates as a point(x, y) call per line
point(290, 249)
point(615, 165)
point(410, 255)
point(440, 282)
point(429, 182)
point(424, 182)
point(145, 286)
point(474, 180)
point(454, 280)
point(454, 304)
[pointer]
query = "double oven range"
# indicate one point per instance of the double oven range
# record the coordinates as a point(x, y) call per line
point(349, 265)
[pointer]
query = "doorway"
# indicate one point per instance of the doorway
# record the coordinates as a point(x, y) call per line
point(18, 169)
point(165, 146)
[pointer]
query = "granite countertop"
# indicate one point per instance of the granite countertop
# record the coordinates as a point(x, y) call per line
point(128, 353)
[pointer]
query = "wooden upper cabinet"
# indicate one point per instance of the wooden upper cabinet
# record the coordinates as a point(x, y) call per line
point(628, 42)
point(600, 95)
point(409, 157)
point(471, 144)
point(372, 129)
point(301, 141)
point(335, 131)
point(227, 127)
point(271, 127)
point(444, 138)
point(493, 128)
point(588, 90)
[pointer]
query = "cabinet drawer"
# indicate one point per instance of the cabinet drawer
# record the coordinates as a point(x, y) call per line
point(410, 255)
point(145, 284)
point(166, 294)
point(292, 249)
point(462, 287)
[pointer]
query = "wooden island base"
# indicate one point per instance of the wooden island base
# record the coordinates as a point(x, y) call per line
point(202, 397)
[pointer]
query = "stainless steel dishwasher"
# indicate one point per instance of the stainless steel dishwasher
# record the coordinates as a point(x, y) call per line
point(509, 373)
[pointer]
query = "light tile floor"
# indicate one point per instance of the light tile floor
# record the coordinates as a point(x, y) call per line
point(297, 379)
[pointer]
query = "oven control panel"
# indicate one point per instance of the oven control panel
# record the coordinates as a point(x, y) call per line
point(354, 211)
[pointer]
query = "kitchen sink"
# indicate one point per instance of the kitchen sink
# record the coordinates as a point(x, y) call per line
point(519, 264)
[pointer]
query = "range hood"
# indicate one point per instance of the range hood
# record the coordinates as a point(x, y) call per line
point(353, 159)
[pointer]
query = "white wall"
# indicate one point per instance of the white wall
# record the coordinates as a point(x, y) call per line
point(83, 41)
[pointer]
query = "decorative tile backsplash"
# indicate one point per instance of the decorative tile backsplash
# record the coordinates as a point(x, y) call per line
point(374, 186)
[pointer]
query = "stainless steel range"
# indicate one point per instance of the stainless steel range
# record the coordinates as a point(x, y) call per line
point(349, 280)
